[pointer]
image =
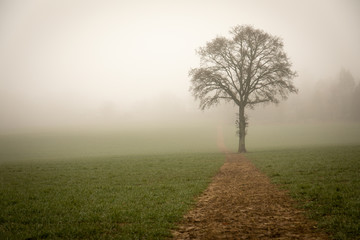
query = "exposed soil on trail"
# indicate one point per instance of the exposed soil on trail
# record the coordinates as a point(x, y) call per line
point(241, 203)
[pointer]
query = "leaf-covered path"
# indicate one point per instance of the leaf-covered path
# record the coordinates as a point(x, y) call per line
point(241, 203)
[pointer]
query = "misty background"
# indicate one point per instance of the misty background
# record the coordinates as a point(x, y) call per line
point(114, 65)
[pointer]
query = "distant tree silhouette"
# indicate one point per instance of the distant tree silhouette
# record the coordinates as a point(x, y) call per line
point(340, 99)
point(249, 68)
point(355, 103)
point(333, 99)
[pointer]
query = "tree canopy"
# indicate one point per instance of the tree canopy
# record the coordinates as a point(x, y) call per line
point(249, 68)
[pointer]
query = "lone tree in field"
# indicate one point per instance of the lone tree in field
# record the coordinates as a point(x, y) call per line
point(248, 68)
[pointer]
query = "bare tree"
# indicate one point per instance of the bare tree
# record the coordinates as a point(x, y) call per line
point(248, 68)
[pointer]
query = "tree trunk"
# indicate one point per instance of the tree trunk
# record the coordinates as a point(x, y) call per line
point(242, 130)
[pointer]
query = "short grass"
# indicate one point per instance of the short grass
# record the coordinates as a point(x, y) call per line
point(325, 181)
point(127, 197)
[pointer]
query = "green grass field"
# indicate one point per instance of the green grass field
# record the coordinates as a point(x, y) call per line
point(324, 180)
point(133, 197)
point(137, 183)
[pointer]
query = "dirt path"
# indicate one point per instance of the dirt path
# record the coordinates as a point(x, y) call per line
point(241, 203)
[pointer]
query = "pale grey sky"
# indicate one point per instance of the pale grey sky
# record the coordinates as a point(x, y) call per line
point(72, 61)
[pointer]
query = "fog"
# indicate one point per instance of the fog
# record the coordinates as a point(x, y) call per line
point(124, 64)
